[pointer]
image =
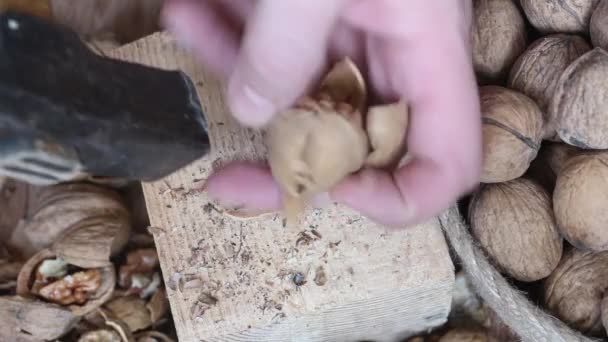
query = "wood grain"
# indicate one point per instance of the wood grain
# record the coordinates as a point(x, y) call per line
point(233, 280)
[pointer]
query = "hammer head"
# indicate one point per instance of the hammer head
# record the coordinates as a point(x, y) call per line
point(66, 111)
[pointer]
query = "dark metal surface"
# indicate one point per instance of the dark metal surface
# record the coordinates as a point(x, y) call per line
point(122, 119)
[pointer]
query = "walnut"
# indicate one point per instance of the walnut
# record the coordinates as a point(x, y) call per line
point(499, 36)
point(81, 291)
point(514, 223)
point(575, 289)
point(536, 72)
point(567, 16)
point(512, 128)
point(599, 26)
point(581, 192)
point(549, 162)
point(322, 139)
point(580, 102)
point(72, 289)
point(559, 154)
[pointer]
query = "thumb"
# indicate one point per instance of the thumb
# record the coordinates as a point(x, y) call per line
point(283, 50)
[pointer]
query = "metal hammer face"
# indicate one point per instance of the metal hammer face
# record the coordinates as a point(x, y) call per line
point(65, 110)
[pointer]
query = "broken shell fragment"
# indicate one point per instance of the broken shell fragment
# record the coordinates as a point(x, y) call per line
point(131, 310)
point(89, 242)
point(102, 335)
point(152, 336)
point(386, 129)
point(34, 319)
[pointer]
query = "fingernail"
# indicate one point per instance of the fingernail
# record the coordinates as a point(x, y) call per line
point(247, 104)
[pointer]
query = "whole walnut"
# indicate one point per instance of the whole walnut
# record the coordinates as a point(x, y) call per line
point(552, 156)
point(580, 102)
point(579, 200)
point(599, 26)
point(512, 129)
point(537, 70)
point(559, 154)
point(499, 36)
point(566, 16)
point(574, 291)
point(514, 224)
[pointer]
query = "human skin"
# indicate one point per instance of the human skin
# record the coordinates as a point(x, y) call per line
point(418, 50)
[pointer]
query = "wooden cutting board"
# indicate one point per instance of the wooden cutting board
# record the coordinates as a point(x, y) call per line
point(233, 280)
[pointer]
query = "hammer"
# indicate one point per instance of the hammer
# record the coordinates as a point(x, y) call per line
point(66, 112)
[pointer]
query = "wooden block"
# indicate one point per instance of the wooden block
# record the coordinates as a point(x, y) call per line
point(233, 280)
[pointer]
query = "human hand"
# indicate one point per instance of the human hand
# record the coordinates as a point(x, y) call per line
point(417, 50)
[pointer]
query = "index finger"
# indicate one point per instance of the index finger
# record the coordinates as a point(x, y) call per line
point(283, 49)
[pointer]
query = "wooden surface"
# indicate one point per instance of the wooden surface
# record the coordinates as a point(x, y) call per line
point(232, 280)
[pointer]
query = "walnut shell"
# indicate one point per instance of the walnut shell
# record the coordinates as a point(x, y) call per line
point(309, 163)
point(499, 36)
point(465, 335)
point(514, 223)
point(537, 70)
point(512, 128)
point(102, 295)
point(599, 26)
point(386, 128)
point(57, 208)
point(575, 289)
point(316, 144)
point(579, 199)
point(566, 16)
point(580, 102)
point(152, 336)
point(26, 319)
point(89, 242)
point(101, 335)
point(132, 311)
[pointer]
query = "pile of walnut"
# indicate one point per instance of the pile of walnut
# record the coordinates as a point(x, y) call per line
point(332, 134)
point(541, 212)
point(73, 268)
